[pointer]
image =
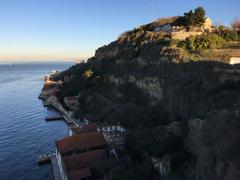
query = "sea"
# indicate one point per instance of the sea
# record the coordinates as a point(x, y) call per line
point(24, 133)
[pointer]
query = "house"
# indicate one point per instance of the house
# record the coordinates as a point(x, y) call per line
point(82, 174)
point(71, 102)
point(114, 134)
point(76, 153)
point(181, 32)
point(81, 143)
point(49, 90)
point(164, 28)
point(48, 81)
point(81, 166)
point(85, 129)
point(207, 24)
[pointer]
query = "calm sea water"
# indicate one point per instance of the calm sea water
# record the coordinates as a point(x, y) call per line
point(24, 134)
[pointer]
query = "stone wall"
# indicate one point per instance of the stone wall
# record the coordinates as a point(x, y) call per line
point(183, 35)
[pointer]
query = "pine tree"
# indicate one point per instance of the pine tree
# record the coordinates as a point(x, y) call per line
point(199, 16)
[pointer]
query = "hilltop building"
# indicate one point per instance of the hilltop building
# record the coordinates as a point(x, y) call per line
point(165, 28)
point(208, 24)
point(181, 33)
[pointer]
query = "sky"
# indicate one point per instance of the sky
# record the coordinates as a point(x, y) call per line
point(67, 30)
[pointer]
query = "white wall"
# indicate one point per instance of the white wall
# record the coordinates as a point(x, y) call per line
point(235, 60)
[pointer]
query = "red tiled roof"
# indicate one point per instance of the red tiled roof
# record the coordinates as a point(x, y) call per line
point(49, 86)
point(82, 160)
point(81, 141)
point(80, 173)
point(85, 129)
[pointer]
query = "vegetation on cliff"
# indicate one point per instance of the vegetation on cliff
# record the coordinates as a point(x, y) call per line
point(192, 18)
point(178, 105)
point(205, 41)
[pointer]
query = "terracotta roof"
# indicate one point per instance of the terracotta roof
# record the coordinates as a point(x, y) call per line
point(80, 173)
point(82, 160)
point(85, 129)
point(49, 86)
point(81, 141)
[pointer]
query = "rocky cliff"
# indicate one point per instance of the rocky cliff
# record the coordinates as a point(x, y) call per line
point(143, 81)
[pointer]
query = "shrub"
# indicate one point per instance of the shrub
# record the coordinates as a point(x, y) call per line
point(87, 74)
point(182, 44)
point(205, 41)
point(228, 34)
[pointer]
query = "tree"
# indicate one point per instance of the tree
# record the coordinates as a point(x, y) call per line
point(192, 18)
point(199, 16)
point(227, 33)
point(189, 18)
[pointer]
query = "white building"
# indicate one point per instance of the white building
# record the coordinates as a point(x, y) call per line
point(207, 24)
point(235, 60)
point(71, 102)
point(165, 28)
point(168, 28)
point(114, 134)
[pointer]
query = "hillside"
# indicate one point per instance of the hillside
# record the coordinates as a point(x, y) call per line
point(149, 82)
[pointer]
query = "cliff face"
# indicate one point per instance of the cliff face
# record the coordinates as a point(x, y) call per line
point(149, 85)
point(141, 81)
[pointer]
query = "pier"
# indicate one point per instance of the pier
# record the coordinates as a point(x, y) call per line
point(53, 101)
point(54, 118)
point(45, 159)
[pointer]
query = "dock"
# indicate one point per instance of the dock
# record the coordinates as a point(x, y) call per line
point(53, 101)
point(55, 168)
point(45, 159)
point(53, 118)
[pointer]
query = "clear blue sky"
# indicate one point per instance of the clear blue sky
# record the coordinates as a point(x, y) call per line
point(70, 29)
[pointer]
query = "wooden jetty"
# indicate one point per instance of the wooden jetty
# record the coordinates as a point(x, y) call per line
point(45, 159)
point(53, 118)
